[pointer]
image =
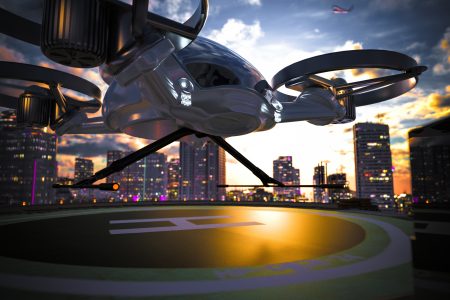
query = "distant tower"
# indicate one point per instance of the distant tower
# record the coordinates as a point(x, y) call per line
point(27, 163)
point(112, 156)
point(430, 162)
point(84, 168)
point(202, 168)
point(338, 194)
point(319, 178)
point(186, 171)
point(142, 180)
point(373, 163)
point(284, 172)
point(155, 176)
point(173, 179)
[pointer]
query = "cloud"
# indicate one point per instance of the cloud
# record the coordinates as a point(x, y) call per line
point(7, 54)
point(384, 5)
point(349, 45)
point(90, 145)
point(439, 101)
point(416, 46)
point(252, 2)
point(442, 54)
point(346, 130)
point(236, 34)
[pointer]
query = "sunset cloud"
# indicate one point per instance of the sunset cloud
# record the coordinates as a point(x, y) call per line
point(442, 50)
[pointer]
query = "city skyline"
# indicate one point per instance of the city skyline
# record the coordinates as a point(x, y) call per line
point(257, 31)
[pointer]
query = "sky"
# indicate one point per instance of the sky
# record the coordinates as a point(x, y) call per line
point(273, 34)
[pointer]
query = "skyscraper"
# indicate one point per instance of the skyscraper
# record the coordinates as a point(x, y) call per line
point(173, 179)
point(202, 169)
point(84, 168)
point(155, 176)
point(338, 194)
point(143, 180)
point(27, 163)
point(373, 163)
point(187, 152)
point(430, 162)
point(284, 172)
point(319, 178)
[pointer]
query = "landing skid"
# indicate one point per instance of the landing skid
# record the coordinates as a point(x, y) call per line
point(124, 162)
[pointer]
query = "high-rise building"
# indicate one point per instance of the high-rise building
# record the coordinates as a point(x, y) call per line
point(319, 178)
point(27, 163)
point(173, 179)
point(430, 162)
point(112, 156)
point(141, 181)
point(373, 163)
point(155, 176)
point(338, 194)
point(202, 169)
point(284, 172)
point(187, 152)
point(84, 168)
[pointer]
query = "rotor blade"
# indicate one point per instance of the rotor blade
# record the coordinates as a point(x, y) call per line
point(20, 28)
point(8, 101)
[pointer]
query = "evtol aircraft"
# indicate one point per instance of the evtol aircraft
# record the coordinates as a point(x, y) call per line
point(167, 83)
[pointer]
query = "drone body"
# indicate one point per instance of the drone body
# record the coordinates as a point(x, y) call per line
point(204, 86)
point(165, 82)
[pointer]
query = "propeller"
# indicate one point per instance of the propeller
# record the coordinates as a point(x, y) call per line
point(302, 75)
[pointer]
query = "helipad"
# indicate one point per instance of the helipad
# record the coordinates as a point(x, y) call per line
point(224, 252)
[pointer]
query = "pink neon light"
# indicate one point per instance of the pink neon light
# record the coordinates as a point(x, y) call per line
point(33, 188)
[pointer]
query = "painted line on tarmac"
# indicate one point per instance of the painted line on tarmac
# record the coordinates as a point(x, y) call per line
point(180, 224)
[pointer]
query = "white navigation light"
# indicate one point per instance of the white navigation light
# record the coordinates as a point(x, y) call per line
point(277, 117)
point(276, 104)
point(185, 99)
point(186, 85)
point(270, 97)
point(186, 88)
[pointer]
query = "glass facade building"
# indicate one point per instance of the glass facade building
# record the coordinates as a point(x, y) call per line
point(373, 163)
point(27, 164)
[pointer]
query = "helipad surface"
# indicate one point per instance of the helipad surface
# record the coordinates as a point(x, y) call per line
point(218, 252)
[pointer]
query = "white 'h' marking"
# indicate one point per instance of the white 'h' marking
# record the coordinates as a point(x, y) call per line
point(181, 223)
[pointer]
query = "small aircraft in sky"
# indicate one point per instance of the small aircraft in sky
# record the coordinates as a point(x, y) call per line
point(167, 83)
point(340, 10)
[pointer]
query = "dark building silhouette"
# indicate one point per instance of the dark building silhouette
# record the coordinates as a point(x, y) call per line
point(373, 163)
point(430, 162)
point(27, 163)
point(202, 168)
point(338, 194)
point(173, 179)
point(284, 172)
point(319, 178)
point(144, 180)
point(84, 168)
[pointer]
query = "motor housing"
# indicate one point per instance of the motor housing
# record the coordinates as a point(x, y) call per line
point(74, 32)
point(35, 110)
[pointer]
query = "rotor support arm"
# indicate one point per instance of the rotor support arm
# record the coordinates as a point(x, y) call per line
point(265, 179)
point(122, 163)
